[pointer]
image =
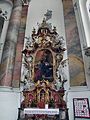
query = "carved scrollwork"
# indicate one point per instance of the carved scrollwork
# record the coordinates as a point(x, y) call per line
point(45, 39)
point(43, 63)
point(3, 14)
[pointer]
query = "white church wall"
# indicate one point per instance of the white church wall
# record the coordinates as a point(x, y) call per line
point(36, 12)
point(9, 104)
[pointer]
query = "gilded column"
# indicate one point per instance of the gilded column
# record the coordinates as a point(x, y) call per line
point(8, 57)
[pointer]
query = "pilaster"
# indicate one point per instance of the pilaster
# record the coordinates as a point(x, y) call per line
point(7, 62)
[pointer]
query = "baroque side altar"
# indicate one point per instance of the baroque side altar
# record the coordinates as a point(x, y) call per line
point(43, 77)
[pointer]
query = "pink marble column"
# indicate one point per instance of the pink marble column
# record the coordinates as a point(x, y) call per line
point(19, 48)
point(8, 57)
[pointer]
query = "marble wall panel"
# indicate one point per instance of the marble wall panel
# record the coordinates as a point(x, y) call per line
point(76, 65)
